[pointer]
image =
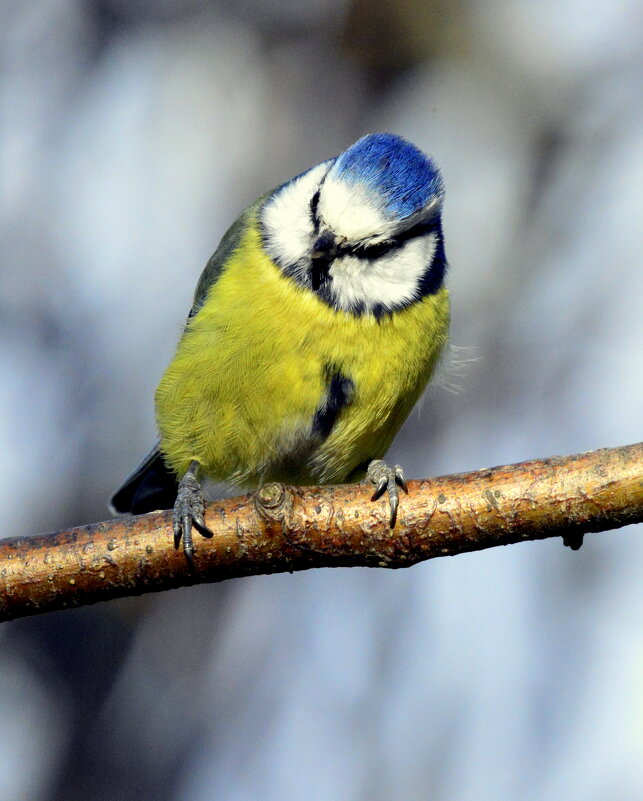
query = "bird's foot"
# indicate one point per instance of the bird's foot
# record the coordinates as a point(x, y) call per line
point(188, 510)
point(387, 478)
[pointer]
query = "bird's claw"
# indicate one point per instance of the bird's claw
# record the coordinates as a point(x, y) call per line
point(387, 478)
point(189, 508)
point(400, 480)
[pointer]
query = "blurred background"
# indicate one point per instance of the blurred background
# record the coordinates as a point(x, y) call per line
point(133, 133)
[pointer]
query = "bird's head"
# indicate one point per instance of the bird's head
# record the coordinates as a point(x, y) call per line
point(362, 230)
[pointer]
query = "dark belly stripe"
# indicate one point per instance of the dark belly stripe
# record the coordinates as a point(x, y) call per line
point(338, 396)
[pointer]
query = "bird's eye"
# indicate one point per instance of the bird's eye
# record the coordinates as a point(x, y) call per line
point(370, 251)
point(375, 251)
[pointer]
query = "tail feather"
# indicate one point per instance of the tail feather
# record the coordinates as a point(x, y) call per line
point(151, 486)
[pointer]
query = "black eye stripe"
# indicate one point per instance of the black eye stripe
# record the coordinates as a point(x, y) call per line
point(370, 251)
point(314, 203)
point(382, 248)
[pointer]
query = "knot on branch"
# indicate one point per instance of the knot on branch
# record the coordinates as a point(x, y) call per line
point(274, 503)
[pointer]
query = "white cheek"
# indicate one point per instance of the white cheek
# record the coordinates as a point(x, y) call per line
point(391, 280)
point(287, 219)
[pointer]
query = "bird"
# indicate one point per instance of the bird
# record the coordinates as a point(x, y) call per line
point(315, 327)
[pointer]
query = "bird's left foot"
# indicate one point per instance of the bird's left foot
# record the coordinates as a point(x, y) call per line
point(387, 478)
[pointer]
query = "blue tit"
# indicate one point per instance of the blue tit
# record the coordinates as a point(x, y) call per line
point(315, 327)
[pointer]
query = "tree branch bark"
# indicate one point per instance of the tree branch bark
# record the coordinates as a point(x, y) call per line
point(279, 529)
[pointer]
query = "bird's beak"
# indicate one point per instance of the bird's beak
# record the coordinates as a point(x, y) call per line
point(325, 247)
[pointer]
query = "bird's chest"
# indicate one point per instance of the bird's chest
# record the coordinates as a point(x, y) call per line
point(358, 378)
point(269, 381)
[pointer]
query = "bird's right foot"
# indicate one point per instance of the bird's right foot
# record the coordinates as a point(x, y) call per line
point(188, 510)
point(387, 479)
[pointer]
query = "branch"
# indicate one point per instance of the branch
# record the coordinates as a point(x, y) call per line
point(279, 529)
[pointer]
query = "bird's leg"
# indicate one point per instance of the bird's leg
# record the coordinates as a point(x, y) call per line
point(387, 478)
point(188, 509)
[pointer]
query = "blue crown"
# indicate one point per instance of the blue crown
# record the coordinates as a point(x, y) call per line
point(402, 177)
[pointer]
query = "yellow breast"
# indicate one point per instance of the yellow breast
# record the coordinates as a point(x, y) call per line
point(251, 371)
